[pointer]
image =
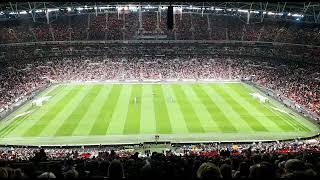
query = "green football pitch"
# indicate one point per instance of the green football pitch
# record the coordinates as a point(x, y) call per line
point(101, 113)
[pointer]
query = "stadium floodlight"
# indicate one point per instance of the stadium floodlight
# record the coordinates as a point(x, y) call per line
point(68, 8)
point(177, 8)
point(297, 15)
point(195, 8)
point(119, 8)
point(242, 10)
point(103, 7)
point(133, 8)
point(50, 10)
point(271, 13)
point(218, 9)
point(190, 7)
point(149, 7)
point(23, 12)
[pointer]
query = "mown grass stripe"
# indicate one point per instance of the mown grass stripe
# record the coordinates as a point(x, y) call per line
point(73, 119)
point(163, 124)
point(86, 123)
point(178, 124)
point(4, 132)
point(132, 124)
point(285, 117)
point(102, 122)
point(18, 121)
point(207, 123)
point(295, 123)
point(227, 110)
point(37, 128)
point(148, 119)
point(251, 110)
point(245, 115)
point(119, 116)
point(216, 114)
point(14, 124)
point(11, 124)
point(192, 121)
point(68, 109)
point(28, 106)
point(238, 89)
point(36, 111)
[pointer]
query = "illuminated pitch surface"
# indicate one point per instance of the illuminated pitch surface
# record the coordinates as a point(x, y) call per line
point(131, 113)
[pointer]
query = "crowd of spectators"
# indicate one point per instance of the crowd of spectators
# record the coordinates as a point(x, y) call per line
point(296, 81)
point(288, 159)
point(188, 26)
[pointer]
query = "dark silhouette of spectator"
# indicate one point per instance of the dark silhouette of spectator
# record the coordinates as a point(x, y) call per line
point(115, 170)
point(294, 165)
point(3, 173)
point(243, 170)
point(71, 174)
point(40, 156)
point(146, 172)
point(47, 175)
point(262, 170)
point(208, 171)
point(226, 171)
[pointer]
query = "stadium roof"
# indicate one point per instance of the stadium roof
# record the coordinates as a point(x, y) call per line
point(285, 6)
point(306, 9)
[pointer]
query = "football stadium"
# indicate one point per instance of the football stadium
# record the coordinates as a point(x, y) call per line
point(163, 89)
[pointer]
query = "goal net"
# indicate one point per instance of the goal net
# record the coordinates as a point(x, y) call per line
point(40, 101)
point(261, 98)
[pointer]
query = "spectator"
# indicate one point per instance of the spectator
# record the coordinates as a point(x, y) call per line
point(3, 173)
point(71, 174)
point(47, 175)
point(262, 170)
point(115, 170)
point(226, 171)
point(208, 171)
point(243, 171)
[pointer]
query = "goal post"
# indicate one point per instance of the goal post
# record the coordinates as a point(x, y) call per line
point(39, 102)
point(261, 98)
